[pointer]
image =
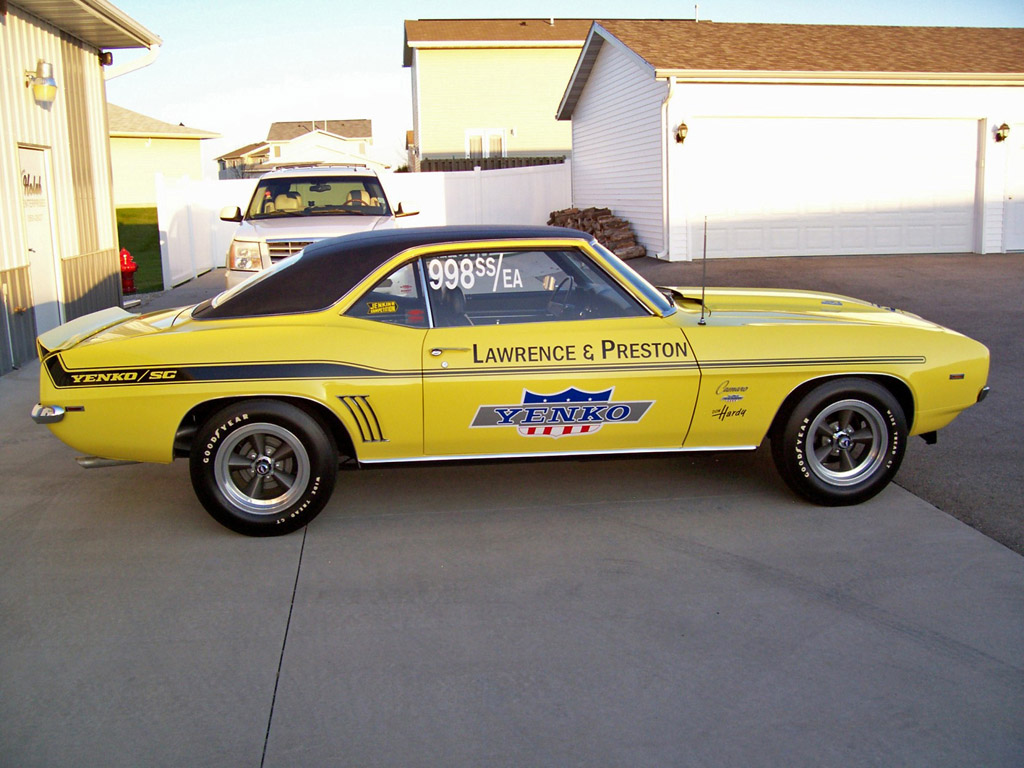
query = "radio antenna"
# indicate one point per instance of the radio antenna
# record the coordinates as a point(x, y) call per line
point(704, 273)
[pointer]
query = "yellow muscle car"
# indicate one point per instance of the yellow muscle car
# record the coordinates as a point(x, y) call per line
point(484, 342)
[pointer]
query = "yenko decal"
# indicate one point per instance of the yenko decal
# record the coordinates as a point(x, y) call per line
point(570, 412)
point(63, 378)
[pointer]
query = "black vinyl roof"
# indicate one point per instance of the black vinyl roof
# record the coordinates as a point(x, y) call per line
point(331, 268)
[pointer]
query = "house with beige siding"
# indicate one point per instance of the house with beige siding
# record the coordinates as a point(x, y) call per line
point(142, 147)
point(58, 242)
point(489, 88)
point(793, 139)
point(308, 142)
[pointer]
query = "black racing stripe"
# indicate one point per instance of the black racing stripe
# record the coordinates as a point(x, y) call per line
point(64, 378)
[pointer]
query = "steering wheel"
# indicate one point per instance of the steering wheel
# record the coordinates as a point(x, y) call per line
point(559, 302)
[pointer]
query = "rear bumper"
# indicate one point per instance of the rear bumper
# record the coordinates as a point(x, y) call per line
point(47, 414)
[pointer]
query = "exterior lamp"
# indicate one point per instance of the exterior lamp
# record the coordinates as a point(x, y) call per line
point(44, 87)
point(681, 132)
point(1002, 132)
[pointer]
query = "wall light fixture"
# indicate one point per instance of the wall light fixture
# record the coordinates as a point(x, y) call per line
point(44, 87)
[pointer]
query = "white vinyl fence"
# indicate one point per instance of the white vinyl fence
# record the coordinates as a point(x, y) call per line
point(194, 240)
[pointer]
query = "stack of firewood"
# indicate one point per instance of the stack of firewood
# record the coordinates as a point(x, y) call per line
point(613, 233)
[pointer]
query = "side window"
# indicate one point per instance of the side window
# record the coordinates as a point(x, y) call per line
point(501, 287)
point(396, 299)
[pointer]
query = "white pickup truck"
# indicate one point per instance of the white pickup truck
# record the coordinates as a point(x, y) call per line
point(294, 207)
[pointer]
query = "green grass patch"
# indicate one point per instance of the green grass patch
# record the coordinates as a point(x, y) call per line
point(138, 231)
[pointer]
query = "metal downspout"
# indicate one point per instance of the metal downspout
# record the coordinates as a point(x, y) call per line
point(666, 144)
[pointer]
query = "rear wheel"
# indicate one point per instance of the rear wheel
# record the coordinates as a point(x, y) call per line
point(842, 442)
point(263, 467)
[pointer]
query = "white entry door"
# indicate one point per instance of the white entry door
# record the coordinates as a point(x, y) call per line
point(36, 202)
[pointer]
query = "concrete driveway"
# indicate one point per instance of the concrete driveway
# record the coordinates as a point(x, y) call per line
point(685, 610)
point(974, 473)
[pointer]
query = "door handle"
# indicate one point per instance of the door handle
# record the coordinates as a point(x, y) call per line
point(438, 351)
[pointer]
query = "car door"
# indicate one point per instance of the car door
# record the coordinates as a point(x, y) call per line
point(540, 350)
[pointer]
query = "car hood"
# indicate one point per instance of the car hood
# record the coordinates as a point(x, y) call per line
point(771, 305)
point(310, 227)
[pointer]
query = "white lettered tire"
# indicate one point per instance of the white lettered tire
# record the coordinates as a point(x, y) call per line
point(842, 442)
point(263, 467)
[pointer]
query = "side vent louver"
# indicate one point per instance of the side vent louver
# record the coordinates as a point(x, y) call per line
point(365, 418)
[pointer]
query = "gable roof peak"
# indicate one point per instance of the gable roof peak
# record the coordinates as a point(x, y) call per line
point(350, 129)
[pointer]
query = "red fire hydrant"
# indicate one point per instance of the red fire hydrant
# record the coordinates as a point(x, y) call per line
point(128, 267)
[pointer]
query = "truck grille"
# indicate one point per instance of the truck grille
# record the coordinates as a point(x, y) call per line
point(282, 249)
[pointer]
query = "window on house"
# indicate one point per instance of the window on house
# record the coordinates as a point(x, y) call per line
point(485, 143)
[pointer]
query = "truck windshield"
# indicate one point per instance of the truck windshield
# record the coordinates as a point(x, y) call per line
point(318, 196)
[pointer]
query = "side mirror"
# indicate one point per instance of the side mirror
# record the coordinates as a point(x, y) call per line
point(400, 212)
point(231, 213)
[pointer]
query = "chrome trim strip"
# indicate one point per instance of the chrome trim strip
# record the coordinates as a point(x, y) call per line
point(557, 455)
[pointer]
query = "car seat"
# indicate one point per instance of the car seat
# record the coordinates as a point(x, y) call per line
point(288, 201)
point(450, 309)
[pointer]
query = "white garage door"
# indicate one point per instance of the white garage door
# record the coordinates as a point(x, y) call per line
point(831, 186)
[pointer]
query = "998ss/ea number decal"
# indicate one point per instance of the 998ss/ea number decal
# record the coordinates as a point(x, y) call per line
point(464, 272)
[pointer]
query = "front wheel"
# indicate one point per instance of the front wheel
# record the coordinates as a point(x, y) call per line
point(842, 442)
point(263, 467)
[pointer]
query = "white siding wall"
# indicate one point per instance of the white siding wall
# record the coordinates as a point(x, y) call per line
point(1013, 218)
point(24, 40)
point(617, 146)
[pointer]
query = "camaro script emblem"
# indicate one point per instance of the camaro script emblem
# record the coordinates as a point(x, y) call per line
point(569, 412)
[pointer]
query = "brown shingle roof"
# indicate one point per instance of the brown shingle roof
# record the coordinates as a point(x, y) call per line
point(496, 30)
point(124, 122)
point(350, 129)
point(426, 33)
point(687, 45)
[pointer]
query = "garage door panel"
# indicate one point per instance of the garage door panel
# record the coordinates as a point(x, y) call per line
point(784, 238)
point(820, 186)
point(886, 238)
point(853, 238)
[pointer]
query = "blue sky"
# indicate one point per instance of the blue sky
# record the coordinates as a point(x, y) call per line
point(235, 67)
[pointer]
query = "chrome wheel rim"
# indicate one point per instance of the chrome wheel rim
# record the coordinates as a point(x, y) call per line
point(847, 442)
point(262, 469)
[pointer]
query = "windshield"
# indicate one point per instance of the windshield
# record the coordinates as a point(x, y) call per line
point(652, 294)
point(318, 196)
